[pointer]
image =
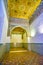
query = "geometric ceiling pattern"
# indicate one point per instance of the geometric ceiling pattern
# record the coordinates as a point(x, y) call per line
point(22, 8)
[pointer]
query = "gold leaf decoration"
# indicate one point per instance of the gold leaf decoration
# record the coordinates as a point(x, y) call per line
point(22, 8)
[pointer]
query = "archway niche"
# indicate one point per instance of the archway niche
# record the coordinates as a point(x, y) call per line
point(18, 37)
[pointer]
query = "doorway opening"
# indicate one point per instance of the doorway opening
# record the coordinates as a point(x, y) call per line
point(18, 38)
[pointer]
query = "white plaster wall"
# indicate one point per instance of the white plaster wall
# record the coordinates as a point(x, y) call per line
point(8, 39)
point(37, 40)
point(35, 25)
point(5, 26)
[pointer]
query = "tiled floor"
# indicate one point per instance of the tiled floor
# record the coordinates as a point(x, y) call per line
point(22, 58)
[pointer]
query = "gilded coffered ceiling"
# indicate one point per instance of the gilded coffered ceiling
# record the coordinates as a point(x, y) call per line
point(22, 8)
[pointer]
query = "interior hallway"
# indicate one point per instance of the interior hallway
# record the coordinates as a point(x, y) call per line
point(21, 15)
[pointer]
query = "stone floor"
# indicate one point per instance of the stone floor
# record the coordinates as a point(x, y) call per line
point(17, 49)
point(22, 58)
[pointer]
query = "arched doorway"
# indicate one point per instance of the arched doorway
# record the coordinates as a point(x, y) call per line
point(18, 36)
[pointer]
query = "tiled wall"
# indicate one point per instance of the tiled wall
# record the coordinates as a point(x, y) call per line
point(2, 50)
point(37, 47)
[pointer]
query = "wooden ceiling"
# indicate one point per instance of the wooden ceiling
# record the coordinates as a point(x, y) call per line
point(22, 8)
